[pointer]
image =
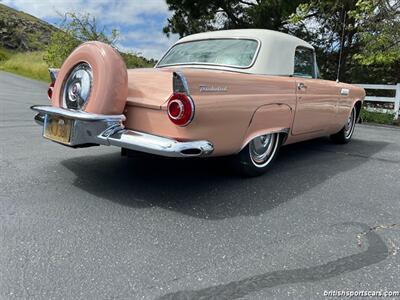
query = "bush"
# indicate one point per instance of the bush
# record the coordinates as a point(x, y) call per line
point(61, 45)
point(376, 117)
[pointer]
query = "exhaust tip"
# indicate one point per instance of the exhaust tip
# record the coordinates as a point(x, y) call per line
point(191, 152)
point(39, 119)
point(200, 150)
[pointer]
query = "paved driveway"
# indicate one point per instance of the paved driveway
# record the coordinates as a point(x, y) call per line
point(88, 224)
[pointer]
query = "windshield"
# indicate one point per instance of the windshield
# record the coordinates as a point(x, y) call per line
point(238, 53)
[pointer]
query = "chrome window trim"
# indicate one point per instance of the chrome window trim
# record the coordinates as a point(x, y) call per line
point(317, 71)
point(209, 64)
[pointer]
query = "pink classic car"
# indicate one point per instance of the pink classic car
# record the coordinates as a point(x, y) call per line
point(240, 93)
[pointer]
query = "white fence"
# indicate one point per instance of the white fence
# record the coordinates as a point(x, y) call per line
point(395, 99)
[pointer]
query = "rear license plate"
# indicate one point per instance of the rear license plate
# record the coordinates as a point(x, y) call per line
point(58, 129)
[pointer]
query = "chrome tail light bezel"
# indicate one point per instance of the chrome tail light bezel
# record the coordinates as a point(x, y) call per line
point(185, 103)
point(181, 96)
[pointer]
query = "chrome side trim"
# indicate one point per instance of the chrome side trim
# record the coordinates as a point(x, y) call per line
point(108, 130)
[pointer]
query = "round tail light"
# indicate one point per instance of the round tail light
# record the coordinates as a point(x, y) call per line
point(50, 90)
point(180, 109)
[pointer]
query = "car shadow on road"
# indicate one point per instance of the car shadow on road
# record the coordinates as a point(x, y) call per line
point(207, 188)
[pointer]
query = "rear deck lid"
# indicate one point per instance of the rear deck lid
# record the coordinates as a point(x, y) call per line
point(149, 87)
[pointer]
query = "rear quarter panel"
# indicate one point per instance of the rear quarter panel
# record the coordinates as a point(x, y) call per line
point(226, 118)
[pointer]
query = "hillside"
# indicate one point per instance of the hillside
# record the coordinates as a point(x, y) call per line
point(23, 41)
point(22, 32)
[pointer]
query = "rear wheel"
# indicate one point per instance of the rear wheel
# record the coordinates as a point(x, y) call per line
point(258, 155)
point(345, 134)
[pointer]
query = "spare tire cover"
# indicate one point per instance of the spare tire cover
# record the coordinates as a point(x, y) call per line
point(109, 86)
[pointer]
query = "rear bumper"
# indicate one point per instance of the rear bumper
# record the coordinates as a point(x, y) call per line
point(95, 129)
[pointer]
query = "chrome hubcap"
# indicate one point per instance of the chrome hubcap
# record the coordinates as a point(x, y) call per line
point(262, 149)
point(349, 127)
point(77, 86)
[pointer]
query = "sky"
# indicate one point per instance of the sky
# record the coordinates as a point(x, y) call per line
point(139, 22)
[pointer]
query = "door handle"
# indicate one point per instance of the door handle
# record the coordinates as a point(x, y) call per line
point(301, 86)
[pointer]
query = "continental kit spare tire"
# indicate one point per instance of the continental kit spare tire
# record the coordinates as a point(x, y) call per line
point(92, 79)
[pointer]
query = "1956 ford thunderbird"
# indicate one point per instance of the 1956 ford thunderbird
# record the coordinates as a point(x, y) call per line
point(242, 93)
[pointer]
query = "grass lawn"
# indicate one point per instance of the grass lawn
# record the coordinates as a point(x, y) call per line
point(29, 64)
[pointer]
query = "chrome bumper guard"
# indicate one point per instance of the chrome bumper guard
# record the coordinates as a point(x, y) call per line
point(95, 129)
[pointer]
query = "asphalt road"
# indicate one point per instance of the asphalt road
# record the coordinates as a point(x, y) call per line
point(89, 224)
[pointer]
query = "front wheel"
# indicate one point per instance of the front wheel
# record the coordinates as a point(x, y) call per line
point(258, 155)
point(345, 134)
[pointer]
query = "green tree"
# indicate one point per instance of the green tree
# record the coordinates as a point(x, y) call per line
point(200, 15)
point(332, 31)
point(319, 22)
point(361, 34)
point(75, 29)
point(380, 36)
point(347, 32)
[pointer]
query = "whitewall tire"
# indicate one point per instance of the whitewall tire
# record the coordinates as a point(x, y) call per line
point(258, 155)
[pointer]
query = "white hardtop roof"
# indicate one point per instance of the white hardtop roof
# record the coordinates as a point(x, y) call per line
point(276, 53)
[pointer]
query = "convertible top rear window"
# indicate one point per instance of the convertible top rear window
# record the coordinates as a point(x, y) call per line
point(238, 53)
